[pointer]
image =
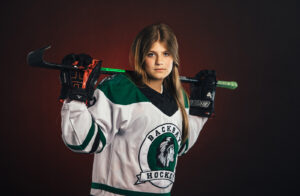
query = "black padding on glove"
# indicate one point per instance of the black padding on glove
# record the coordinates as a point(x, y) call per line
point(65, 80)
point(92, 81)
point(203, 94)
point(72, 80)
point(83, 60)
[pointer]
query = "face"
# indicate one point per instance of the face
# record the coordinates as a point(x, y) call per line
point(158, 62)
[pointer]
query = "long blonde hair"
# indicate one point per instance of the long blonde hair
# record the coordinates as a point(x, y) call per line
point(141, 46)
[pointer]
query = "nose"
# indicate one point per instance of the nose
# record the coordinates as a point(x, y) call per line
point(159, 60)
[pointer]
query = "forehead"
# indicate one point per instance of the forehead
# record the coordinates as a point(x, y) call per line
point(159, 46)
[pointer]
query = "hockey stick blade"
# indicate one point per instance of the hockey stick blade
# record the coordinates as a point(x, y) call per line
point(35, 59)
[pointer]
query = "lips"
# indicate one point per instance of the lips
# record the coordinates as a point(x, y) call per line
point(159, 69)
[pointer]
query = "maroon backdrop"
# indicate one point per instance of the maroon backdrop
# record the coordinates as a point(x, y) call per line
point(249, 148)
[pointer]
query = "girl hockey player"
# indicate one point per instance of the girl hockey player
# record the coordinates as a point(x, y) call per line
point(136, 124)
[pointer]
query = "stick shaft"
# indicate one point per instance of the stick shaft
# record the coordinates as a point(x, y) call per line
point(222, 84)
point(35, 59)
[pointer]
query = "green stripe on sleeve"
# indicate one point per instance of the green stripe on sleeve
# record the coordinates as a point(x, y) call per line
point(124, 192)
point(86, 140)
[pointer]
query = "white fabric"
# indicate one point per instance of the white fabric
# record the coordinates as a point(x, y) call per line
point(125, 128)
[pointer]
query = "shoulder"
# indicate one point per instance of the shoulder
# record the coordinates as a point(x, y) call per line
point(113, 80)
point(120, 89)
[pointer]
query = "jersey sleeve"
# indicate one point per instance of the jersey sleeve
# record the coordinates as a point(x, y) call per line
point(196, 124)
point(90, 129)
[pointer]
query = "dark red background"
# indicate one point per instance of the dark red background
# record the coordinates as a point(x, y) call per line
point(250, 148)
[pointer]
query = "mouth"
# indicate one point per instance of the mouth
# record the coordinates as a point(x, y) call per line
point(159, 69)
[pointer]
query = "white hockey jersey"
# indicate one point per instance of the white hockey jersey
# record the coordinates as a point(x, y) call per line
point(135, 138)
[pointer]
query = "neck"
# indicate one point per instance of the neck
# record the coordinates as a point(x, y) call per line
point(155, 85)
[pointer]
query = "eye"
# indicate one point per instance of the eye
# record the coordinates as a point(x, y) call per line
point(166, 54)
point(150, 54)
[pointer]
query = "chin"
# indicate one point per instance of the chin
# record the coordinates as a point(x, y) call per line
point(159, 77)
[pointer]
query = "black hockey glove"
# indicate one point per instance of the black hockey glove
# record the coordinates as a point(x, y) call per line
point(79, 84)
point(203, 94)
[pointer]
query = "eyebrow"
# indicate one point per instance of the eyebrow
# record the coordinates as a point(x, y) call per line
point(155, 52)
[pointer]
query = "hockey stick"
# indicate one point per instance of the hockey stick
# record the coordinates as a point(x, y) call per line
point(35, 59)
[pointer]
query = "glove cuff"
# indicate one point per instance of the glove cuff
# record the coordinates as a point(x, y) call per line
point(200, 112)
point(78, 94)
point(203, 108)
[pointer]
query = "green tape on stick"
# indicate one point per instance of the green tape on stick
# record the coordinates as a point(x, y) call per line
point(112, 70)
point(226, 84)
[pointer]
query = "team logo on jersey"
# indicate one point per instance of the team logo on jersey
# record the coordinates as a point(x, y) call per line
point(158, 156)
